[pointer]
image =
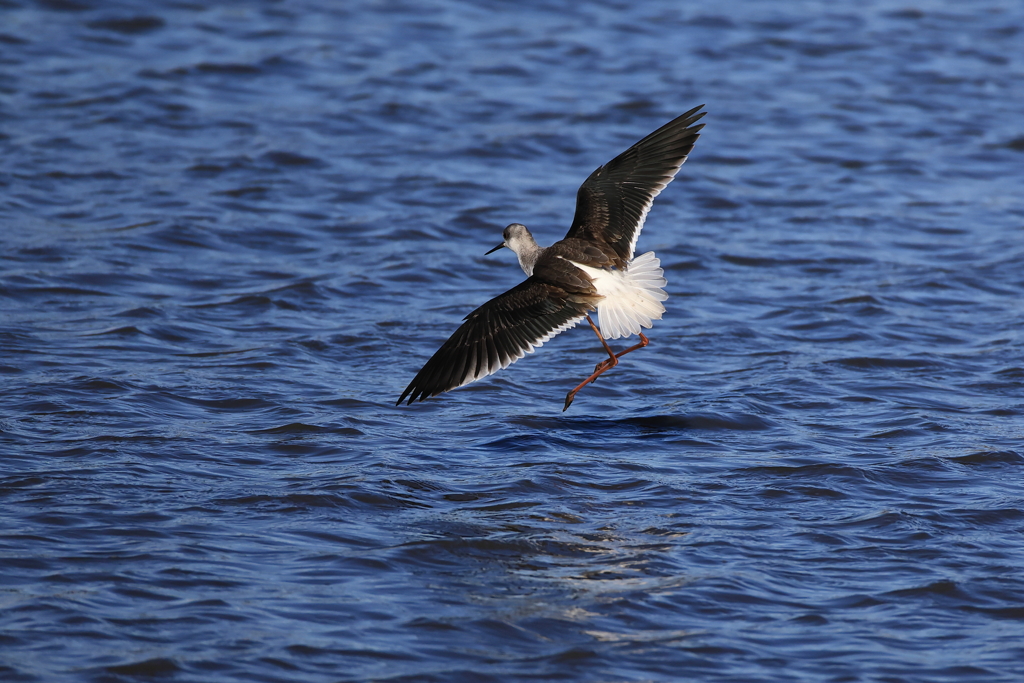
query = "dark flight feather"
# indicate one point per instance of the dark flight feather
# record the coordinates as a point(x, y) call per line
point(499, 333)
point(613, 202)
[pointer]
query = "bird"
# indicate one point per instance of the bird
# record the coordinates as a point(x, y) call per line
point(591, 268)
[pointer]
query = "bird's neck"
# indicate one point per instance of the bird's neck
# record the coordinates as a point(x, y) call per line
point(528, 251)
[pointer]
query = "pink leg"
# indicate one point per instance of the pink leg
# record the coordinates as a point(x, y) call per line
point(611, 362)
point(644, 341)
point(611, 354)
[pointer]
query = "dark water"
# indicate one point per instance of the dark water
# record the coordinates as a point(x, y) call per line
point(231, 235)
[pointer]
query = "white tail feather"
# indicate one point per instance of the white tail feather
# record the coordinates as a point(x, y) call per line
point(632, 297)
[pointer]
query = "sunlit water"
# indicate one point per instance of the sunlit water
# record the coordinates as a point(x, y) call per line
point(231, 235)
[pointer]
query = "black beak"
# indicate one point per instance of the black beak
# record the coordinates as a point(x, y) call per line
point(495, 249)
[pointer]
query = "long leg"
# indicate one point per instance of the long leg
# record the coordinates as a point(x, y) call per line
point(644, 341)
point(613, 360)
point(611, 354)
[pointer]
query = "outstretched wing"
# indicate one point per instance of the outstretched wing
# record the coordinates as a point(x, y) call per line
point(613, 202)
point(496, 335)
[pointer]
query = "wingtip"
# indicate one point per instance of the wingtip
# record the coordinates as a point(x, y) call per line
point(414, 393)
point(692, 112)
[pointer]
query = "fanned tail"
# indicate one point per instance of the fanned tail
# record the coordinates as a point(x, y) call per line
point(637, 303)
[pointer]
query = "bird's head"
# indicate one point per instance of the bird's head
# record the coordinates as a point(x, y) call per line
point(515, 236)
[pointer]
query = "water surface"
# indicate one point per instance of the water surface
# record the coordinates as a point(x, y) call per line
point(230, 235)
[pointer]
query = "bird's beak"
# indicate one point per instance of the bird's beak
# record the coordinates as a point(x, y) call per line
point(496, 248)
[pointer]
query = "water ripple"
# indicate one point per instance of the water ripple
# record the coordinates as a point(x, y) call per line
point(232, 234)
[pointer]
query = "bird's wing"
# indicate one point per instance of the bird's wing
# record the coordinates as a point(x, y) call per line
point(613, 202)
point(496, 335)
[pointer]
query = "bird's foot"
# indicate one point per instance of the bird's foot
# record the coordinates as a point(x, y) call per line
point(568, 400)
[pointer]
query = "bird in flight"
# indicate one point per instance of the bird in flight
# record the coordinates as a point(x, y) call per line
point(593, 267)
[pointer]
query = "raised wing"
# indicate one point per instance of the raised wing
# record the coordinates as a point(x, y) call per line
point(613, 202)
point(496, 335)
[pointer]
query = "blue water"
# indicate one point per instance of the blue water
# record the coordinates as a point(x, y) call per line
point(230, 234)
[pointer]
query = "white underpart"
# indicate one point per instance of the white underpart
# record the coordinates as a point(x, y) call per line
point(632, 297)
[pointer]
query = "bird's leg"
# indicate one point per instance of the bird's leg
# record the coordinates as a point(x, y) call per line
point(644, 341)
point(612, 358)
point(611, 362)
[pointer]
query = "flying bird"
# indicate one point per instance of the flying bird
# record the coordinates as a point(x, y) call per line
point(593, 267)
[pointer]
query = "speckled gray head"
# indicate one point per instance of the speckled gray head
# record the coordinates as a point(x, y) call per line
point(514, 233)
point(519, 240)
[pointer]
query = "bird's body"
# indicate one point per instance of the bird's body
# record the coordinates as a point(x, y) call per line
point(592, 268)
point(629, 297)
